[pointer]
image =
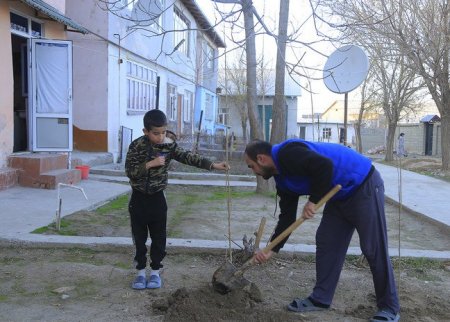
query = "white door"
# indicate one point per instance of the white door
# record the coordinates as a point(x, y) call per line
point(51, 95)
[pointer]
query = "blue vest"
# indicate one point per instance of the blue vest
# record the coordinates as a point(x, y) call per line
point(350, 168)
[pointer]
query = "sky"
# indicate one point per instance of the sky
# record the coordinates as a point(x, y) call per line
point(300, 13)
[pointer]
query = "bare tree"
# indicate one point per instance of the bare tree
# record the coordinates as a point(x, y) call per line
point(279, 103)
point(397, 86)
point(366, 107)
point(420, 31)
point(253, 24)
point(232, 77)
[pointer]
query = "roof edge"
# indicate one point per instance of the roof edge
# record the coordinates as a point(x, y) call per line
point(55, 14)
point(203, 22)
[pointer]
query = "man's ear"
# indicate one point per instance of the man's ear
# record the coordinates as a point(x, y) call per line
point(262, 159)
point(145, 131)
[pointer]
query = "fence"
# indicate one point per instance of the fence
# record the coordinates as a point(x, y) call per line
point(373, 138)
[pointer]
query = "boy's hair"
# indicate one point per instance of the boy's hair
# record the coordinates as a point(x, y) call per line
point(258, 147)
point(154, 118)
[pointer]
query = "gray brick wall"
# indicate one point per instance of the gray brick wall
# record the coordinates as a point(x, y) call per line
point(414, 138)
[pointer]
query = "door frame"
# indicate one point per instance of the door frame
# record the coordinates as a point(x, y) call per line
point(32, 110)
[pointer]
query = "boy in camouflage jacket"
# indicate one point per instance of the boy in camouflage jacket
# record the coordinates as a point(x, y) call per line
point(146, 166)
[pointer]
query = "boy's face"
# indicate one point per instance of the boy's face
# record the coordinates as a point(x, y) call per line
point(156, 135)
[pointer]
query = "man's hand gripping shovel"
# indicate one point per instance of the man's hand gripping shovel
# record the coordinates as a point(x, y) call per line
point(228, 277)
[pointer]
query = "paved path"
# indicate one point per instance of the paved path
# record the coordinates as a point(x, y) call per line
point(421, 194)
point(24, 209)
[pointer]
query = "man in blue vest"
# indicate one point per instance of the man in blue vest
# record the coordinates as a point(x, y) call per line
point(312, 168)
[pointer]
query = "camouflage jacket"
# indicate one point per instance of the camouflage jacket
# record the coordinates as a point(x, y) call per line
point(153, 180)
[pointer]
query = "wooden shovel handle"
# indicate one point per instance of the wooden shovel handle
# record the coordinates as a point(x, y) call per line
point(300, 220)
point(262, 224)
point(287, 231)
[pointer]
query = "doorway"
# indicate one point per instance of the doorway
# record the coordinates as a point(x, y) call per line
point(428, 138)
point(20, 72)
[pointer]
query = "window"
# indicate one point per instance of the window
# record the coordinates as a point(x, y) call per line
point(141, 88)
point(326, 133)
point(209, 57)
point(158, 23)
point(181, 34)
point(209, 107)
point(142, 14)
point(187, 105)
point(223, 115)
point(171, 102)
point(23, 25)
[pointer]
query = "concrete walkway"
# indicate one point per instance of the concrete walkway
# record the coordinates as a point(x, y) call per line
point(25, 209)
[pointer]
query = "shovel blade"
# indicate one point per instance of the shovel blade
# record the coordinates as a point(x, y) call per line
point(225, 279)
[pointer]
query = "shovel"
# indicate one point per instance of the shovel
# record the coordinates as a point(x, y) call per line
point(228, 277)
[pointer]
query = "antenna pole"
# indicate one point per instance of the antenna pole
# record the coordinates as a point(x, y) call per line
point(345, 117)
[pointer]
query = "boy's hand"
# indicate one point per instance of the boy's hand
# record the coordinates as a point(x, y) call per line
point(220, 166)
point(156, 162)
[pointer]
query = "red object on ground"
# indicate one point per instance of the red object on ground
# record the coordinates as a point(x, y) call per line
point(84, 171)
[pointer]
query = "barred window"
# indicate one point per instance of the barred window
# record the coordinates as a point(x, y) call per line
point(326, 132)
point(141, 88)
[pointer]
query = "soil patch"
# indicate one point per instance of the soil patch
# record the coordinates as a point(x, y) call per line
point(69, 283)
point(39, 283)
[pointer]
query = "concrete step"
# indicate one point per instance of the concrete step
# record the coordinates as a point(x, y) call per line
point(34, 164)
point(43, 170)
point(50, 179)
point(9, 177)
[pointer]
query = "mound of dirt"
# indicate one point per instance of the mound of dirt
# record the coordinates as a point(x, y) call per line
point(205, 305)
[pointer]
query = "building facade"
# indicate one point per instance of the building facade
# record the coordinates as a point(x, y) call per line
point(36, 83)
point(126, 67)
point(76, 75)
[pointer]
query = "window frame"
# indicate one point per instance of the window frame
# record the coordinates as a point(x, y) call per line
point(30, 20)
point(326, 133)
point(187, 106)
point(209, 56)
point(181, 26)
point(171, 102)
point(140, 88)
point(223, 115)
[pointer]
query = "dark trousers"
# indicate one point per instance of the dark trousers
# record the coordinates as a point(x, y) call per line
point(148, 214)
point(363, 211)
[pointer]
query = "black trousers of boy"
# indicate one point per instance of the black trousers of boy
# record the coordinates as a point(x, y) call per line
point(148, 214)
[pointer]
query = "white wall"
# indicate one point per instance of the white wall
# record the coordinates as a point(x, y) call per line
point(57, 4)
point(317, 128)
point(6, 87)
point(90, 67)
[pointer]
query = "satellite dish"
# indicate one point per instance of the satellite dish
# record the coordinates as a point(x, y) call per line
point(146, 12)
point(345, 69)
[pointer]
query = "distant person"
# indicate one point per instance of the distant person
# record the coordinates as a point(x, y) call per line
point(401, 145)
point(311, 168)
point(146, 166)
